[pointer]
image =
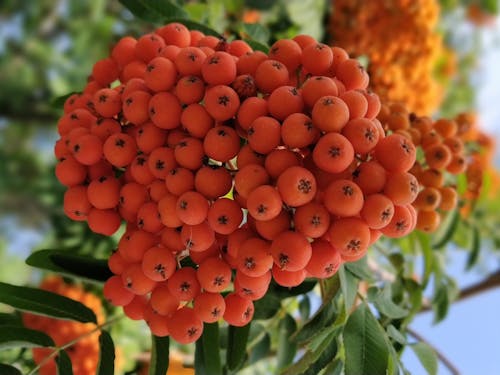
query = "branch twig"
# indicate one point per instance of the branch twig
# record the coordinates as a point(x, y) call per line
point(444, 360)
point(491, 282)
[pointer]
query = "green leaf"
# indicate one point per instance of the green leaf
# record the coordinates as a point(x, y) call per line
point(286, 348)
point(446, 230)
point(305, 307)
point(167, 9)
point(474, 250)
point(236, 347)
point(138, 9)
point(426, 356)
point(283, 292)
point(63, 362)
point(256, 32)
point(9, 370)
point(328, 353)
point(261, 349)
point(396, 335)
point(366, 350)
point(267, 306)
point(440, 303)
point(211, 351)
point(45, 303)
point(382, 299)
point(257, 46)
point(490, 6)
point(318, 339)
point(260, 4)
point(425, 247)
point(360, 269)
point(323, 317)
point(335, 367)
point(14, 336)
point(349, 285)
point(193, 25)
point(199, 359)
point(73, 265)
point(159, 355)
point(106, 354)
point(155, 11)
point(311, 356)
point(60, 100)
point(10, 319)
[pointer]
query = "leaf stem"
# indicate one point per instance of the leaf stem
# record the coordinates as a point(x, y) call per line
point(58, 349)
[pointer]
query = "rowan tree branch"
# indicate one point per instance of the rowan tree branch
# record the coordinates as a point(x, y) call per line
point(490, 282)
point(444, 360)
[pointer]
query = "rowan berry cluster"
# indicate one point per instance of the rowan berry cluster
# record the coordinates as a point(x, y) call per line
point(402, 44)
point(84, 354)
point(447, 151)
point(252, 166)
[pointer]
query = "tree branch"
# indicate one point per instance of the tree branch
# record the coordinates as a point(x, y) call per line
point(491, 282)
point(444, 360)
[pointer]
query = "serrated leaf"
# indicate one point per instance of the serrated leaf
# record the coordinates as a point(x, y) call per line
point(106, 364)
point(211, 351)
point(426, 356)
point(335, 367)
point(160, 349)
point(310, 357)
point(395, 334)
point(286, 348)
point(349, 285)
point(9, 370)
point(236, 347)
point(328, 353)
point(45, 303)
point(318, 339)
point(440, 303)
point(267, 306)
point(382, 299)
point(256, 32)
point(261, 349)
point(446, 230)
point(73, 265)
point(63, 362)
point(323, 317)
point(193, 25)
point(15, 336)
point(474, 250)
point(366, 350)
point(360, 269)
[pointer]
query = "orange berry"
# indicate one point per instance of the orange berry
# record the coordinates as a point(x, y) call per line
point(330, 114)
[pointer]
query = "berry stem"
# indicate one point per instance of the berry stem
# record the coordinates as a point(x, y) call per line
point(58, 349)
